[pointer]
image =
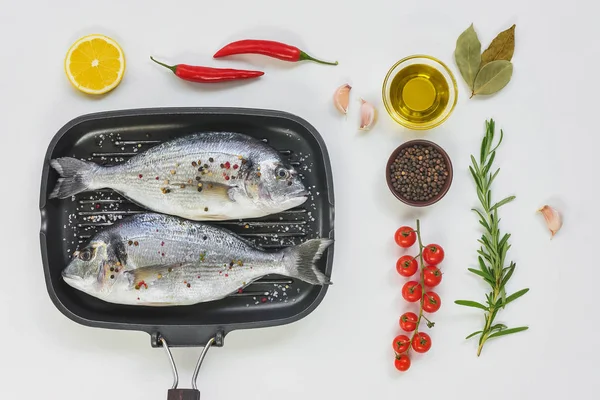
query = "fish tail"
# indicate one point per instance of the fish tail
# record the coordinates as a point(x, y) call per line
point(75, 176)
point(300, 261)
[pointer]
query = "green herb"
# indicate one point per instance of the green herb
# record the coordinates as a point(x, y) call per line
point(468, 55)
point(489, 72)
point(494, 246)
point(492, 77)
point(501, 48)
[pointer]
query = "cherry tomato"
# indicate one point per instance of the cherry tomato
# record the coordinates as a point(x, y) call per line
point(402, 362)
point(401, 344)
point(407, 266)
point(408, 321)
point(412, 291)
point(432, 276)
point(405, 236)
point(433, 254)
point(421, 342)
point(431, 302)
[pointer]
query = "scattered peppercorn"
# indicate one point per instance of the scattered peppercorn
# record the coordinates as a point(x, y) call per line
point(418, 173)
point(199, 187)
point(211, 159)
point(205, 209)
point(165, 190)
point(136, 243)
point(130, 242)
point(194, 164)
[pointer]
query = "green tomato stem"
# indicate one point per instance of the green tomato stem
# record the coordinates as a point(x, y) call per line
point(422, 282)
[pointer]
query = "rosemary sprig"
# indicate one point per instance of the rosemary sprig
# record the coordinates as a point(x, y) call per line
point(494, 246)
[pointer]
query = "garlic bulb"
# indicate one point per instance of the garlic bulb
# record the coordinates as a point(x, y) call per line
point(341, 98)
point(553, 219)
point(368, 115)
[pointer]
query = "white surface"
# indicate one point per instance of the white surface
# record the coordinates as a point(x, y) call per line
point(343, 349)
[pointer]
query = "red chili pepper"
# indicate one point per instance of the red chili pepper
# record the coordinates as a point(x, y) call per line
point(268, 48)
point(209, 75)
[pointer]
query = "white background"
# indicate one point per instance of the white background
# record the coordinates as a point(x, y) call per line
point(343, 349)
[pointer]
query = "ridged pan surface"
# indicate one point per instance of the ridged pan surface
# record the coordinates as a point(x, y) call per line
point(110, 138)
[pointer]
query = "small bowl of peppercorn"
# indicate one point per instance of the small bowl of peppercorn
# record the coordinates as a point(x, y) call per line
point(419, 173)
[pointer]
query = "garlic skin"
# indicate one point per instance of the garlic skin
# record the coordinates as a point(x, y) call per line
point(341, 98)
point(553, 219)
point(368, 115)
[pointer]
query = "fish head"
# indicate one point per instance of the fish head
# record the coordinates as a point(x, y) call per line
point(93, 269)
point(278, 186)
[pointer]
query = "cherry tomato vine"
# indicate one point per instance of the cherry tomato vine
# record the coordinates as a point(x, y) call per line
point(429, 275)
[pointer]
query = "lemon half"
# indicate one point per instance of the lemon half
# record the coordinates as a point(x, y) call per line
point(95, 64)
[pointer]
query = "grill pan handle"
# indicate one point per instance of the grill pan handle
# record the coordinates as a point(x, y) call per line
point(187, 336)
point(184, 394)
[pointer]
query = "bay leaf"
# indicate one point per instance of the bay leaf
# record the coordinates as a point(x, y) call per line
point(501, 48)
point(468, 55)
point(492, 77)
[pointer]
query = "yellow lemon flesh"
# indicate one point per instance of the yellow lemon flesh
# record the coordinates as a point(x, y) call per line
point(95, 64)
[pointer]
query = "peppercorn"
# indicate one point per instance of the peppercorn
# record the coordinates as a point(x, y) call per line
point(418, 173)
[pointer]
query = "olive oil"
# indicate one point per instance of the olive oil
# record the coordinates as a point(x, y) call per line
point(419, 94)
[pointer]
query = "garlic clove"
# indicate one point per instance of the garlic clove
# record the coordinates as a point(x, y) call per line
point(341, 98)
point(368, 115)
point(553, 219)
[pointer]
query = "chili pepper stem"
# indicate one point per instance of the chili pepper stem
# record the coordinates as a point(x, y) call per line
point(171, 67)
point(304, 56)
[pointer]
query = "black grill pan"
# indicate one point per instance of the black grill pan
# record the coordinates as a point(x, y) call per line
point(112, 137)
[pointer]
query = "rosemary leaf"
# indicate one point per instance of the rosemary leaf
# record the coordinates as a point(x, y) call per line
point(508, 274)
point(484, 275)
point(473, 334)
point(469, 303)
point(508, 331)
point(502, 202)
point(516, 295)
point(498, 327)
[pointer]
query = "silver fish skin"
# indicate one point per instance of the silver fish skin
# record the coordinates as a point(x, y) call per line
point(202, 176)
point(158, 260)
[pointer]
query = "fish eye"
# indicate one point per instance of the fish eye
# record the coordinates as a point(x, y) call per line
point(85, 255)
point(282, 173)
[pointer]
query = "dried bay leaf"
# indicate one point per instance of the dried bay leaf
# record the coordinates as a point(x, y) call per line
point(492, 77)
point(501, 48)
point(468, 55)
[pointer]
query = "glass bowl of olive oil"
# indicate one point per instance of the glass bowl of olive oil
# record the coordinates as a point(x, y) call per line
point(419, 92)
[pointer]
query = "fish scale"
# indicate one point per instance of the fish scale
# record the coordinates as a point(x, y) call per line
point(159, 260)
point(165, 178)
